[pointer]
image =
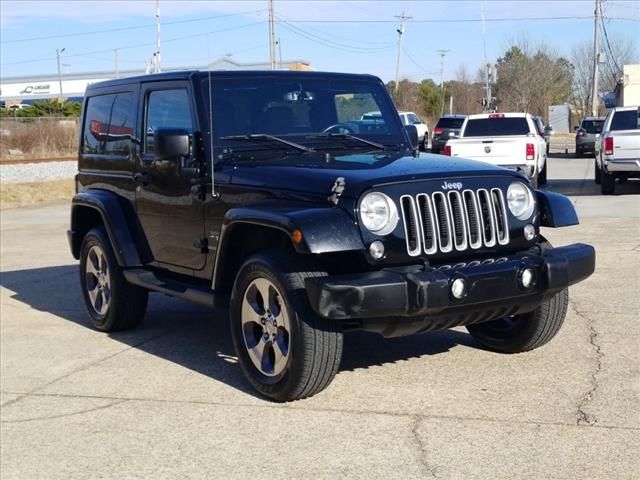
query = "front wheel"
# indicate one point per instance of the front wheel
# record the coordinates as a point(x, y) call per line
point(521, 333)
point(286, 351)
point(598, 172)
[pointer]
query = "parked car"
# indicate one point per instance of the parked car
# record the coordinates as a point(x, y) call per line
point(448, 126)
point(238, 189)
point(587, 134)
point(618, 148)
point(410, 118)
point(509, 140)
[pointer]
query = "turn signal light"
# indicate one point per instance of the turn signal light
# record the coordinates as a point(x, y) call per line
point(437, 131)
point(608, 146)
point(530, 151)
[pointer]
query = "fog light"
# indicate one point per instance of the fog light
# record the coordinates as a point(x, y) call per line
point(527, 277)
point(458, 288)
point(376, 249)
point(529, 232)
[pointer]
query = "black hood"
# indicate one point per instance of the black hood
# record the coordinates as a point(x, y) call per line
point(316, 174)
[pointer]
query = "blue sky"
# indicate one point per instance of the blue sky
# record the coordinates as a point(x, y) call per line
point(346, 36)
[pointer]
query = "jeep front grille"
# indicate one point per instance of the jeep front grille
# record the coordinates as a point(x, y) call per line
point(443, 222)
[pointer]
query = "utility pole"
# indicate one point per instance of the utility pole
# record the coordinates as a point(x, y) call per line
point(279, 53)
point(58, 52)
point(596, 60)
point(487, 69)
point(156, 56)
point(442, 55)
point(403, 18)
point(116, 60)
point(272, 37)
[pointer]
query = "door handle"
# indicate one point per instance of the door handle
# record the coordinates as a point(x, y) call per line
point(142, 178)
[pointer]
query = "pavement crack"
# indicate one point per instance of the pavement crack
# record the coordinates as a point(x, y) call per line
point(582, 416)
point(65, 415)
point(421, 447)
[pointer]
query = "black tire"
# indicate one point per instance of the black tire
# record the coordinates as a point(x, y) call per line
point(597, 172)
point(313, 345)
point(125, 304)
point(542, 176)
point(578, 153)
point(607, 183)
point(524, 332)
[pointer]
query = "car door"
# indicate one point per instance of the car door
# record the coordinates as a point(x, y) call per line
point(169, 208)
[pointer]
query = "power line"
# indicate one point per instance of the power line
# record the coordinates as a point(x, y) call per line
point(139, 45)
point(122, 29)
point(328, 42)
point(462, 20)
point(606, 37)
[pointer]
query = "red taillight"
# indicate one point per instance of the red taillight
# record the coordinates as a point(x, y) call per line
point(608, 146)
point(580, 133)
point(447, 150)
point(530, 151)
point(437, 131)
point(496, 115)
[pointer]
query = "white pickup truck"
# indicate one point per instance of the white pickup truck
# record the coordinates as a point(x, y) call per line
point(618, 148)
point(505, 139)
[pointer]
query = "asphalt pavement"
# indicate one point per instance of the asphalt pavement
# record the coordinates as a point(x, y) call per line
point(168, 400)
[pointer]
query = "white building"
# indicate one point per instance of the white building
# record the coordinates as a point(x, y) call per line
point(26, 89)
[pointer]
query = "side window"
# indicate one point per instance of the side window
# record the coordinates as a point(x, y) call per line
point(120, 124)
point(166, 109)
point(414, 119)
point(96, 124)
point(108, 124)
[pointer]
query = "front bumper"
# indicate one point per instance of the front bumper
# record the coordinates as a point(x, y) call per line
point(426, 293)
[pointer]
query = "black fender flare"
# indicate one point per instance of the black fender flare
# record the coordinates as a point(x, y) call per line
point(111, 210)
point(323, 229)
point(556, 210)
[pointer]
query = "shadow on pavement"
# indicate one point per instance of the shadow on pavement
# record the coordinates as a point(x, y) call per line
point(185, 334)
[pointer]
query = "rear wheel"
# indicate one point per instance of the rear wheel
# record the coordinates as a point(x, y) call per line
point(578, 153)
point(111, 302)
point(284, 348)
point(607, 183)
point(542, 176)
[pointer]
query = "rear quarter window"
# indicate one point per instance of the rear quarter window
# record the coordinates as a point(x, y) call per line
point(450, 123)
point(108, 124)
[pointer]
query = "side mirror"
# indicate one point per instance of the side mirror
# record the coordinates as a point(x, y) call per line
point(412, 132)
point(172, 144)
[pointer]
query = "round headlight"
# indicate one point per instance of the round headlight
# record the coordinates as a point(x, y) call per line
point(378, 213)
point(520, 200)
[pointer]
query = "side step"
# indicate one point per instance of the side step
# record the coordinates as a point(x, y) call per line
point(150, 281)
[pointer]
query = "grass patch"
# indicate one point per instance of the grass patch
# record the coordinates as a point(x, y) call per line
point(14, 195)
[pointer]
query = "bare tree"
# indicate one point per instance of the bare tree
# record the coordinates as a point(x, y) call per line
point(621, 52)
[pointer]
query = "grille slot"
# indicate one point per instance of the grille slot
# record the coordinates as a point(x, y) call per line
point(410, 220)
point(442, 222)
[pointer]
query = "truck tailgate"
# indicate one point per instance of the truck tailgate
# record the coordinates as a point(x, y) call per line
point(626, 144)
point(498, 151)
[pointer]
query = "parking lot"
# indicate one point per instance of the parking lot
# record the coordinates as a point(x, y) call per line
point(169, 401)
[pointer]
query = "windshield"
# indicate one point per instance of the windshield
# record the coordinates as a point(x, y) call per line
point(592, 126)
point(303, 110)
point(494, 127)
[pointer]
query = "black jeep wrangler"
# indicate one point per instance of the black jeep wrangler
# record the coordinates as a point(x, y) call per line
point(269, 194)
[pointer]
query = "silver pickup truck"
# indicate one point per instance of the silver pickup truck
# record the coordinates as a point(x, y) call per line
point(618, 148)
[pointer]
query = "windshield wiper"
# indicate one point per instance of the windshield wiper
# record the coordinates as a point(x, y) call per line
point(348, 136)
point(263, 137)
